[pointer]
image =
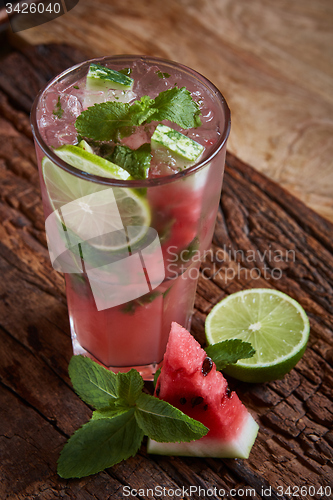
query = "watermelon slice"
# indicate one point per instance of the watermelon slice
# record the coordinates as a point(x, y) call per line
point(189, 381)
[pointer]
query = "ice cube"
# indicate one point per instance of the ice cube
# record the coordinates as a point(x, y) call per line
point(72, 105)
point(141, 136)
point(161, 169)
point(92, 97)
point(60, 134)
point(150, 80)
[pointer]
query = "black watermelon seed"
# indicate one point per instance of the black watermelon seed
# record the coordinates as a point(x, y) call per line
point(196, 401)
point(158, 390)
point(182, 401)
point(206, 407)
point(207, 365)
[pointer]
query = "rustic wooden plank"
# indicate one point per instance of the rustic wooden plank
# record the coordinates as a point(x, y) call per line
point(23, 74)
point(295, 443)
point(29, 449)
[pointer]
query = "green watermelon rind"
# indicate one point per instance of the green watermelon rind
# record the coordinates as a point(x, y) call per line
point(183, 147)
point(239, 447)
point(102, 78)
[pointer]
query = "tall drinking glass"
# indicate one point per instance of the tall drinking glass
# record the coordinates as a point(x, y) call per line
point(129, 249)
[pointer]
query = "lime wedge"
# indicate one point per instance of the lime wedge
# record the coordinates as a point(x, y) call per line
point(182, 146)
point(91, 211)
point(274, 323)
point(83, 159)
point(101, 78)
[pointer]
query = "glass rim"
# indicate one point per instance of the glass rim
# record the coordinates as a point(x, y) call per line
point(142, 183)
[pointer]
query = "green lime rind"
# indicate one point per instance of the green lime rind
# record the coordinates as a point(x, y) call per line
point(261, 375)
point(87, 161)
point(275, 324)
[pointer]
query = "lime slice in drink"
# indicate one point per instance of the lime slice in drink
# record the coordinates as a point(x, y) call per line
point(183, 147)
point(274, 323)
point(92, 211)
point(82, 158)
point(101, 78)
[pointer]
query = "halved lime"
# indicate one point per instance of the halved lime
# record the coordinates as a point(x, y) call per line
point(274, 323)
point(92, 211)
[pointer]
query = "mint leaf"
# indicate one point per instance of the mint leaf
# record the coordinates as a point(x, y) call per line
point(58, 111)
point(125, 71)
point(229, 352)
point(162, 422)
point(141, 111)
point(108, 120)
point(94, 384)
point(130, 386)
point(100, 444)
point(157, 374)
point(113, 410)
point(162, 75)
point(101, 121)
point(177, 106)
point(136, 162)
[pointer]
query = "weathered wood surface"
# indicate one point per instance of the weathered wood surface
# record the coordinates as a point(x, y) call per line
point(271, 59)
point(38, 408)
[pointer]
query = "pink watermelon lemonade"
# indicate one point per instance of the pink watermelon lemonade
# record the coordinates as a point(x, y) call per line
point(144, 323)
point(130, 210)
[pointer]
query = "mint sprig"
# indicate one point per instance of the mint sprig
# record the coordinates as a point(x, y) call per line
point(109, 120)
point(123, 415)
point(229, 352)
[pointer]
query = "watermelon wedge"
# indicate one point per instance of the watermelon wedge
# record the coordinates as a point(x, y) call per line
point(189, 381)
